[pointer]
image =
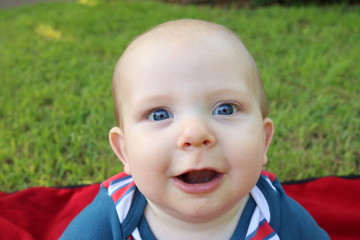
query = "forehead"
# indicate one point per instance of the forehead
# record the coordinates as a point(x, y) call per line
point(182, 74)
point(193, 45)
point(184, 35)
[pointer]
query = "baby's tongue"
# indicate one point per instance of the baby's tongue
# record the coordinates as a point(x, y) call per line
point(202, 176)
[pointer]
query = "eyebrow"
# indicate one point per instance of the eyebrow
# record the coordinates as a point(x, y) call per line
point(230, 92)
point(168, 99)
point(152, 101)
point(153, 98)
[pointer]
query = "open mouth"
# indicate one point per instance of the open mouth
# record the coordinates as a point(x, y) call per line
point(198, 177)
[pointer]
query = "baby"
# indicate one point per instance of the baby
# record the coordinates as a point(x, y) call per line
point(193, 134)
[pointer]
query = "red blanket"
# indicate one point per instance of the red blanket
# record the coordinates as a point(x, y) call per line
point(43, 212)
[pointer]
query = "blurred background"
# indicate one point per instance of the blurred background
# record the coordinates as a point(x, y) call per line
point(57, 60)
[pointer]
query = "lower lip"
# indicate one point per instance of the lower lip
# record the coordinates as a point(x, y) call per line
point(199, 187)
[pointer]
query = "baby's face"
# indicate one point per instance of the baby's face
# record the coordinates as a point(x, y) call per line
point(193, 137)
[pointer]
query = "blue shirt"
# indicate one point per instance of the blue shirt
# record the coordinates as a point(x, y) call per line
point(117, 212)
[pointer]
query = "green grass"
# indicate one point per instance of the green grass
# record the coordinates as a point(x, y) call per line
point(55, 85)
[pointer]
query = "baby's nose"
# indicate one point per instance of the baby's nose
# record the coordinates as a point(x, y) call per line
point(195, 133)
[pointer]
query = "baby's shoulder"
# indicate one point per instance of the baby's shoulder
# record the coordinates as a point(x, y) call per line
point(287, 216)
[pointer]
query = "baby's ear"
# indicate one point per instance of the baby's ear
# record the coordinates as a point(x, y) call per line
point(117, 142)
point(268, 135)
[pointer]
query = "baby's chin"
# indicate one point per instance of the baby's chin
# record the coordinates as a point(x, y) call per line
point(200, 210)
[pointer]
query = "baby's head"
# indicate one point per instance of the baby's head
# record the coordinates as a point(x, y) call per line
point(192, 115)
point(189, 31)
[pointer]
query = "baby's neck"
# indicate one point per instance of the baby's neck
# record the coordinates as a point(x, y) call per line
point(164, 225)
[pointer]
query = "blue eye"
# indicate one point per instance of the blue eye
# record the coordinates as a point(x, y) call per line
point(224, 109)
point(159, 114)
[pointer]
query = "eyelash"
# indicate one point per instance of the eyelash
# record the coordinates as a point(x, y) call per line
point(150, 115)
point(236, 108)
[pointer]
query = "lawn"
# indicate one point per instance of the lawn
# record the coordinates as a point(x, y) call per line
point(55, 85)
